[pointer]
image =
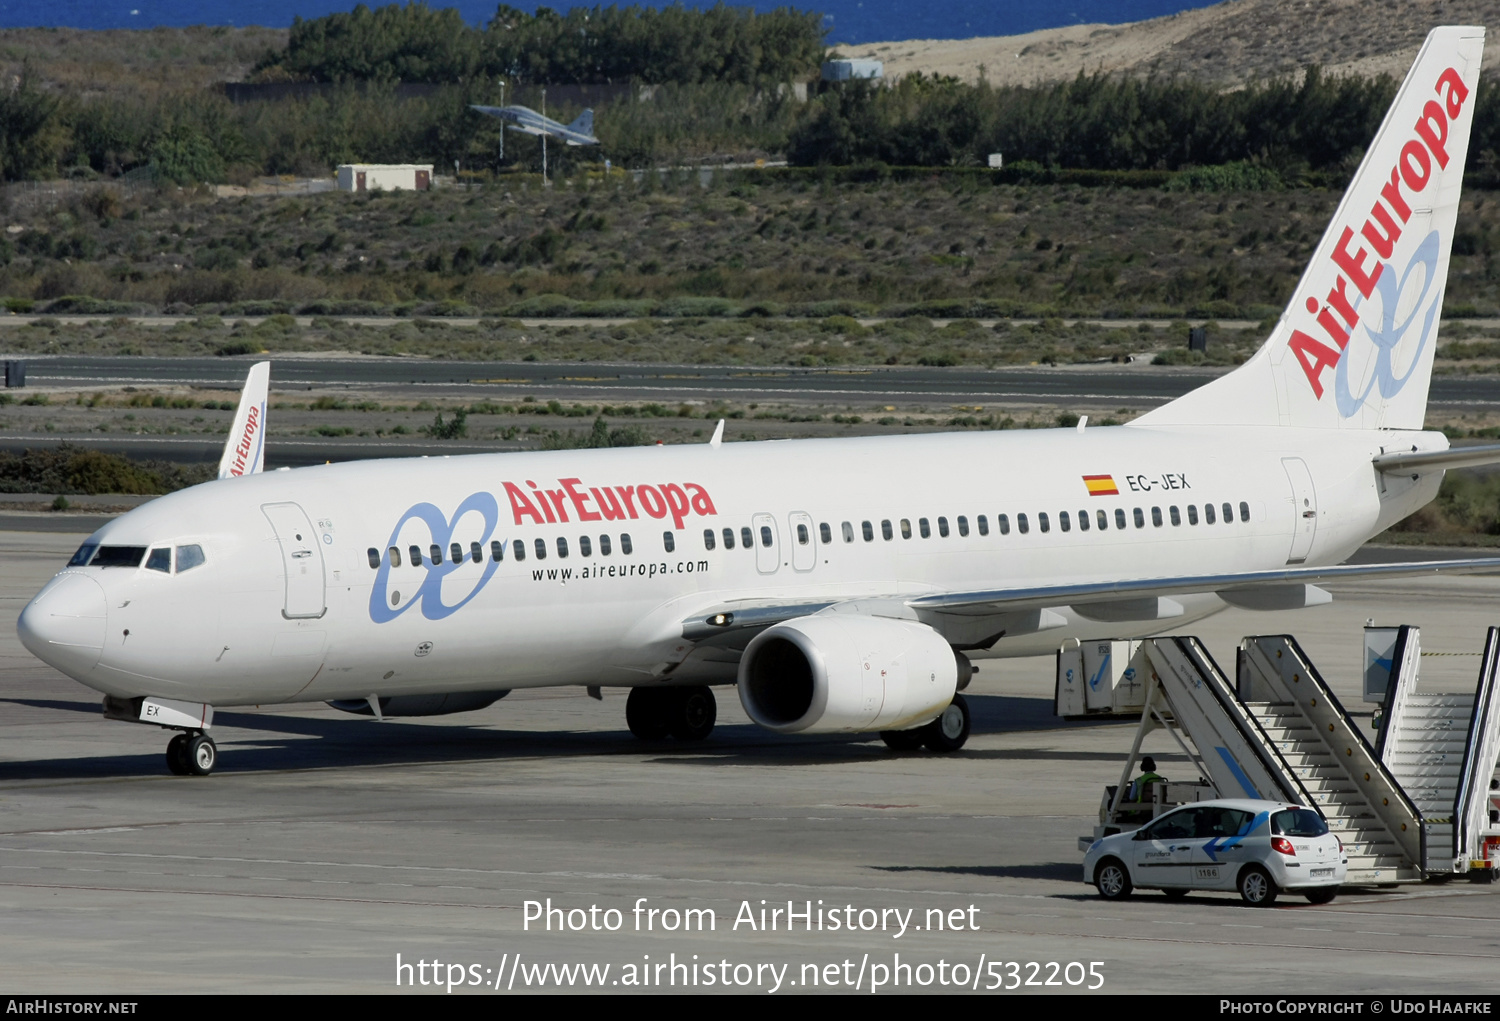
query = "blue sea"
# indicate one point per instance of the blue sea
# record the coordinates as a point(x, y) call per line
point(848, 21)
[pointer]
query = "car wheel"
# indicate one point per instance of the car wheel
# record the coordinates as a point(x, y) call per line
point(1322, 895)
point(1113, 879)
point(1175, 893)
point(1257, 888)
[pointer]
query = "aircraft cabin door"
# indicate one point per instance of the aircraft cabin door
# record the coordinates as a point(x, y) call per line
point(1304, 508)
point(301, 559)
point(804, 541)
point(767, 543)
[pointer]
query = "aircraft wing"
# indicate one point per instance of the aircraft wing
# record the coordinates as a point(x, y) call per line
point(1287, 588)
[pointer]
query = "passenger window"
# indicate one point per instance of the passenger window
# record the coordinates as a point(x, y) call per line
point(1119, 517)
point(1042, 522)
point(436, 552)
point(885, 530)
point(963, 526)
point(1208, 513)
point(1064, 521)
point(1244, 514)
point(395, 555)
point(765, 536)
point(1083, 521)
point(942, 528)
point(868, 530)
point(457, 553)
point(585, 546)
point(625, 544)
point(745, 539)
point(1002, 522)
point(604, 545)
point(1022, 525)
point(708, 538)
point(189, 557)
point(1177, 826)
point(497, 550)
point(1176, 517)
point(984, 524)
point(415, 552)
point(729, 538)
point(668, 541)
point(1103, 520)
point(562, 548)
point(803, 536)
point(1222, 822)
point(476, 552)
point(373, 555)
point(1156, 516)
point(1192, 513)
point(906, 528)
point(541, 549)
point(848, 531)
point(825, 532)
point(1140, 519)
point(1228, 514)
point(925, 528)
point(160, 560)
point(518, 550)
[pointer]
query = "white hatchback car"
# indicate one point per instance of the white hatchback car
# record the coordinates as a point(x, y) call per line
point(1258, 848)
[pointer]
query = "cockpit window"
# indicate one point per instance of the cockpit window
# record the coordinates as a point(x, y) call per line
point(189, 557)
point(118, 556)
point(85, 552)
point(160, 560)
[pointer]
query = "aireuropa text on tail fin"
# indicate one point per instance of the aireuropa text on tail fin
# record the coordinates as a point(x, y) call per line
point(245, 450)
point(1354, 347)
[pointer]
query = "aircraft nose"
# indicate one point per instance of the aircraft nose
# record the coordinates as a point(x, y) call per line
point(64, 625)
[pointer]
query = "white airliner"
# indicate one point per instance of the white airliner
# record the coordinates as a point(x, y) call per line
point(842, 584)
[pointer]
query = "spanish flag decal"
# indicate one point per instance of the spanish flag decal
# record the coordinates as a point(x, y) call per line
point(1101, 485)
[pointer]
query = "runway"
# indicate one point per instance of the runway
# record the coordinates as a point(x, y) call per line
point(328, 844)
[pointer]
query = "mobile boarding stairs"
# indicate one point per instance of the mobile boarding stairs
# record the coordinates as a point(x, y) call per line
point(1415, 804)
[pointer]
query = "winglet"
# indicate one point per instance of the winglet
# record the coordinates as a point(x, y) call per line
point(718, 436)
point(245, 450)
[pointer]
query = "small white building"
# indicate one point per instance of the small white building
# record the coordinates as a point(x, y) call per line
point(843, 70)
point(385, 176)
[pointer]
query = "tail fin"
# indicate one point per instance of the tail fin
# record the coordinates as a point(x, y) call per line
point(584, 125)
point(245, 450)
point(1354, 348)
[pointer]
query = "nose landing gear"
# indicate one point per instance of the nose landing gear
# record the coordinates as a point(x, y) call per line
point(192, 754)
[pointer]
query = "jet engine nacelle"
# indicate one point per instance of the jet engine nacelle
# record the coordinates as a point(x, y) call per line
point(422, 705)
point(842, 673)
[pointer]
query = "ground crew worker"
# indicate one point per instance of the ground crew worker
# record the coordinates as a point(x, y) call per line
point(1149, 775)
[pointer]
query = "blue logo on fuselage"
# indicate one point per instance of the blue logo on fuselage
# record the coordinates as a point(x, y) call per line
point(429, 594)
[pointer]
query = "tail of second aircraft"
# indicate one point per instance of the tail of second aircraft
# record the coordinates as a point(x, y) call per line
point(245, 450)
point(1354, 348)
point(584, 125)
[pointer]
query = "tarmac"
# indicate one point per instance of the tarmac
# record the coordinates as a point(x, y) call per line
point(327, 848)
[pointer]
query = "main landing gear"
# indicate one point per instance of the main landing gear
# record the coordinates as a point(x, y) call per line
point(947, 733)
point(192, 754)
point(686, 713)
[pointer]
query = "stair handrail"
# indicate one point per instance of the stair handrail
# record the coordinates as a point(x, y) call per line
point(1471, 802)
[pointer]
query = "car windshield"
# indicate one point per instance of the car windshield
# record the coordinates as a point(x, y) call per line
point(1298, 822)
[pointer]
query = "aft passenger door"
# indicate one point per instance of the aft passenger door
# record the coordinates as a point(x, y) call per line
point(301, 559)
point(1304, 508)
point(767, 543)
point(804, 541)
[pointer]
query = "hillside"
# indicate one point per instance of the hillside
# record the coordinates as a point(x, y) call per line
point(1232, 42)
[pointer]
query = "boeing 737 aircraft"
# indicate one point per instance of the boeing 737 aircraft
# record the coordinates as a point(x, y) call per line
point(842, 584)
point(527, 121)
